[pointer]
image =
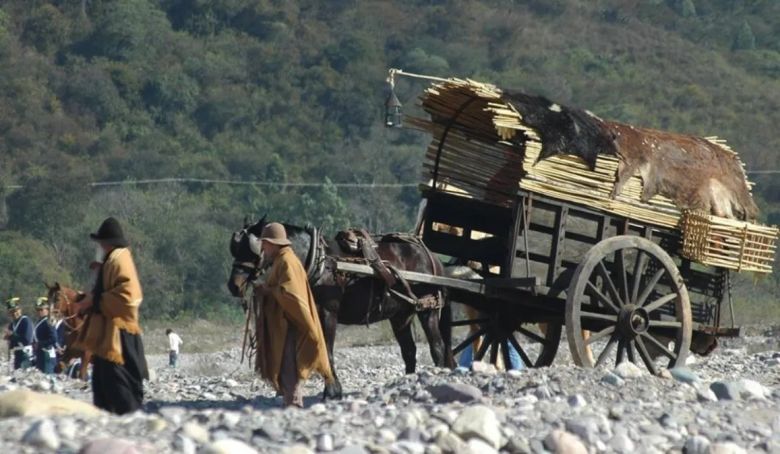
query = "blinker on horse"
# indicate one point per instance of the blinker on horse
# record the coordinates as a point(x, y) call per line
point(356, 300)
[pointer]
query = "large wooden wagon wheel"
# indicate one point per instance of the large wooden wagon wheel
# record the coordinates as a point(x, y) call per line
point(628, 292)
point(495, 332)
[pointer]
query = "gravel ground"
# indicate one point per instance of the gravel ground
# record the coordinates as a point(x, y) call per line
point(724, 403)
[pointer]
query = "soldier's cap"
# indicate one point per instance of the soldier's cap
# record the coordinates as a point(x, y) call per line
point(12, 303)
point(42, 303)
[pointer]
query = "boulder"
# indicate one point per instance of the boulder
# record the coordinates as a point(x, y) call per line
point(481, 422)
point(455, 392)
point(22, 402)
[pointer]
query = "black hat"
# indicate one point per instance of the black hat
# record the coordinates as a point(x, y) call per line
point(110, 232)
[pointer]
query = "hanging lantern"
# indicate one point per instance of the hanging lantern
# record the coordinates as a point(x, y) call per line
point(392, 104)
point(393, 110)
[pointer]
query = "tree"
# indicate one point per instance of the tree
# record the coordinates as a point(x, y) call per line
point(745, 39)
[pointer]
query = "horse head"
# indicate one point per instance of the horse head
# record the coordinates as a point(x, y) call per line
point(246, 260)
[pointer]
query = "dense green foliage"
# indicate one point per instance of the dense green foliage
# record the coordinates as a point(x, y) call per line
point(292, 91)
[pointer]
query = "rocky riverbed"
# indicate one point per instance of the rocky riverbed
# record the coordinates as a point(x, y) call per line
point(725, 403)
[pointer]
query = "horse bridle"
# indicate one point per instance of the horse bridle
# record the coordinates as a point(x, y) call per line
point(64, 320)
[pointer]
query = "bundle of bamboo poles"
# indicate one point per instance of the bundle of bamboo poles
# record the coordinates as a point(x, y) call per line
point(473, 154)
point(728, 243)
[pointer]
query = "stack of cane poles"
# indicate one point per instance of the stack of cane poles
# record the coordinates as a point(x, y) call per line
point(470, 151)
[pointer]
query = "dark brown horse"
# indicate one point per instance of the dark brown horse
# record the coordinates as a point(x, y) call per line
point(61, 298)
point(355, 300)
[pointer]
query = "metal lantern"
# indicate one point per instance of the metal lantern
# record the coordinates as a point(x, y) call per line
point(392, 110)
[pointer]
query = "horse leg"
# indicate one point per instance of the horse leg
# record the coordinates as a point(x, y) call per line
point(402, 328)
point(430, 322)
point(329, 320)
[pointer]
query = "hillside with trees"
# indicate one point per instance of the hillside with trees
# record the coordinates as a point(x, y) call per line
point(288, 92)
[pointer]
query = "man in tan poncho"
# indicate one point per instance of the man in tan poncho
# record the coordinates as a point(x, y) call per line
point(292, 345)
point(112, 331)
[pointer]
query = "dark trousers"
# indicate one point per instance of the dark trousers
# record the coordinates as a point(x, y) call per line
point(44, 362)
point(119, 389)
point(21, 360)
point(288, 375)
point(173, 358)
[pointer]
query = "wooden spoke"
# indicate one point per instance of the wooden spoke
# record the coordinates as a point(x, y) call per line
point(650, 286)
point(532, 335)
point(602, 270)
point(639, 271)
point(598, 335)
point(660, 302)
point(520, 351)
point(663, 348)
point(468, 341)
point(620, 350)
point(601, 297)
point(620, 268)
point(630, 351)
point(484, 347)
point(494, 353)
point(476, 321)
point(665, 324)
point(598, 316)
point(642, 349)
point(607, 350)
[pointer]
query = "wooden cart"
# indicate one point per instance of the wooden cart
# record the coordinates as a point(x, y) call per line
point(618, 283)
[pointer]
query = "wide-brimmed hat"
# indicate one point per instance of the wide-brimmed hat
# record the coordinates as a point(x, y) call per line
point(275, 233)
point(42, 303)
point(110, 232)
point(12, 303)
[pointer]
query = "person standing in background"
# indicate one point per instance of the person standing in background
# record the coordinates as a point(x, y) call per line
point(174, 341)
point(44, 338)
point(19, 335)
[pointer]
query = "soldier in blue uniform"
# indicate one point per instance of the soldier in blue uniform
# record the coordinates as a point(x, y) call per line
point(45, 339)
point(19, 335)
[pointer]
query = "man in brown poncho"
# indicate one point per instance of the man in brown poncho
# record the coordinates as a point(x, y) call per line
point(292, 345)
point(112, 331)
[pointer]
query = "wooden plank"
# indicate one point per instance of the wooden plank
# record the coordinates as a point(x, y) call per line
point(415, 277)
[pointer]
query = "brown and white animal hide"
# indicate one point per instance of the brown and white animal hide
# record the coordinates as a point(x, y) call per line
point(692, 171)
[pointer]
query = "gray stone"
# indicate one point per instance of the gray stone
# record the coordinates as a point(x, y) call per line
point(684, 375)
point(455, 392)
point(270, 430)
point(561, 442)
point(184, 444)
point(725, 390)
point(481, 422)
point(622, 444)
point(576, 401)
point(228, 446)
point(543, 392)
point(112, 445)
point(352, 449)
point(751, 389)
point(387, 436)
point(67, 428)
point(409, 447)
point(318, 409)
point(410, 435)
point(706, 395)
point(585, 428)
point(449, 442)
point(726, 448)
point(517, 444)
point(477, 446)
point(42, 434)
point(612, 379)
point(156, 424)
point(196, 432)
point(297, 449)
point(627, 369)
point(696, 445)
point(325, 442)
point(482, 367)
point(22, 402)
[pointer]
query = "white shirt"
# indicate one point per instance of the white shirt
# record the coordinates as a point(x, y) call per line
point(175, 341)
